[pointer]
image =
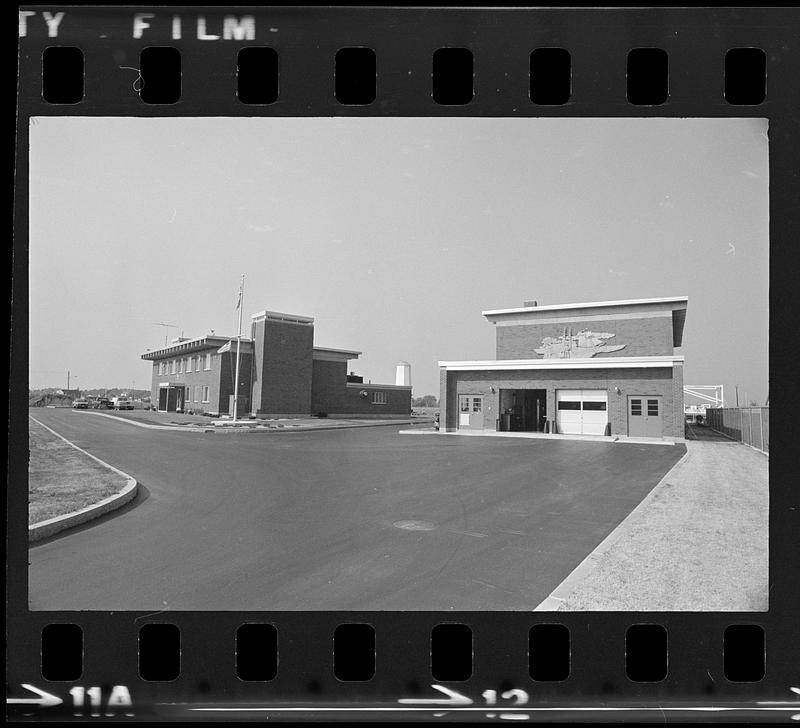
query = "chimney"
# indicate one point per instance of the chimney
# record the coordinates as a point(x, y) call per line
point(529, 304)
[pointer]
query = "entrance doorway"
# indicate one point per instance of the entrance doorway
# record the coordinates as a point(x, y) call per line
point(171, 399)
point(470, 412)
point(645, 416)
point(523, 410)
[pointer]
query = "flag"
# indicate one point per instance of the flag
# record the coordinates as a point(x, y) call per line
point(225, 347)
point(239, 300)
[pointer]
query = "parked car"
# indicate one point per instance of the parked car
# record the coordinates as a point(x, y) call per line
point(80, 404)
point(103, 403)
point(122, 403)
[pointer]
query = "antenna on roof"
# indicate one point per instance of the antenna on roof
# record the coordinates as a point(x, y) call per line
point(166, 333)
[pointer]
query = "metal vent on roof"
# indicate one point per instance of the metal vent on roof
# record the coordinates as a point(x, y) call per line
point(530, 304)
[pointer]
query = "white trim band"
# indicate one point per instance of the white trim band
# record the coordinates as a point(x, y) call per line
point(591, 304)
point(615, 362)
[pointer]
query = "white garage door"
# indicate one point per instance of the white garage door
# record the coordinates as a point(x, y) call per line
point(581, 411)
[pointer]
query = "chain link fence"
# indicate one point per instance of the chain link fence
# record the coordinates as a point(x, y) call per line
point(749, 425)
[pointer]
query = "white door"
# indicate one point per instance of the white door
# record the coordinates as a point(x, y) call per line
point(581, 411)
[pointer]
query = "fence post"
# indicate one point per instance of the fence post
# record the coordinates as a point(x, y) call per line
point(761, 423)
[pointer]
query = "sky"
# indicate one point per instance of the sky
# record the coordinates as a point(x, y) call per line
point(393, 233)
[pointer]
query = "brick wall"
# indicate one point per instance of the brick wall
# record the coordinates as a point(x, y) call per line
point(283, 367)
point(642, 337)
point(227, 367)
point(656, 381)
point(328, 386)
point(330, 393)
point(210, 378)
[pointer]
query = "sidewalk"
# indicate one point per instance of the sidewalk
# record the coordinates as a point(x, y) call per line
point(611, 439)
point(195, 423)
point(697, 542)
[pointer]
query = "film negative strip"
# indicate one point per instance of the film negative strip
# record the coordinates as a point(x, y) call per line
point(259, 532)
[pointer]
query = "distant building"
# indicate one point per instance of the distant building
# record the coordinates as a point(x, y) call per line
point(598, 368)
point(281, 373)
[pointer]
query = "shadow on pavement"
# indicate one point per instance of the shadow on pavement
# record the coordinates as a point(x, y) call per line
point(142, 495)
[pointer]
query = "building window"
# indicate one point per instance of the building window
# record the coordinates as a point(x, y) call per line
point(180, 366)
point(477, 404)
point(208, 362)
point(465, 404)
point(188, 364)
point(205, 394)
point(652, 408)
point(379, 398)
point(172, 367)
point(566, 405)
point(636, 407)
point(594, 406)
point(161, 367)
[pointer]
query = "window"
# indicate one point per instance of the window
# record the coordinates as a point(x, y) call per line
point(595, 406)
point(180, 366)
point(379, 398)
point(652, 408)
point(172, 367)
point(564, 405)
point(477, 404)
point(161, 367)
point(465, 404)
point(636, 407)
point(188, 364)
point(208, 362)
point(205, 393)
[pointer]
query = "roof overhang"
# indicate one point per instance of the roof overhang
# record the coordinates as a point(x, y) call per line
point(198, 344)
point(321, 353)
point(616, 362)
point(288, 318)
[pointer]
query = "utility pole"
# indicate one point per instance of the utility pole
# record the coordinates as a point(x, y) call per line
point(68, 380)
point(737, 395)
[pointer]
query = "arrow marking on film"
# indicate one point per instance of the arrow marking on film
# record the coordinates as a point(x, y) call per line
point(453, 698)
point(45, 700)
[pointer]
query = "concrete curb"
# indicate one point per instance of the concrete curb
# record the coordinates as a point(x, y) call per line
point(612, 440)
point(230, 430)
point(560, 594)
point(45, 529)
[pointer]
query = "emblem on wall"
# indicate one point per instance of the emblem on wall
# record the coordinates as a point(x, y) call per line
point(583, 345)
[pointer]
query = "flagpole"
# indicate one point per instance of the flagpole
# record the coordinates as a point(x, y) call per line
point(238, 343)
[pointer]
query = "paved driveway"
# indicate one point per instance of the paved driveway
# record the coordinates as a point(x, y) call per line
point(349, 519)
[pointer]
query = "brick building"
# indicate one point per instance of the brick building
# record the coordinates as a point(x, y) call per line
point(281, 373)
point(604, 368)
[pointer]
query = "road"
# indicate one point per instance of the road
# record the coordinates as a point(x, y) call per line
point(311, 520)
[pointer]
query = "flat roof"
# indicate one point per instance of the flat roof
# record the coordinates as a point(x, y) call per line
point(291, 318)
point(209, 341)
point(589, 304)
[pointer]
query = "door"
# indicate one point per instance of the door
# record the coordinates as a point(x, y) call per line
point(645, 416)
point(470, 412)
point(581, 411)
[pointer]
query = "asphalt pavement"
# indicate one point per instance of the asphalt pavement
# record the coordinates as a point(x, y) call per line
point(356, 519)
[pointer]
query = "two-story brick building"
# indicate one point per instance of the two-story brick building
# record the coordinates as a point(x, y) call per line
point(281, 373)
point(603, 368)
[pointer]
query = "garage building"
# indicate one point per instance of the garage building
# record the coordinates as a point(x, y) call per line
point(601, 368)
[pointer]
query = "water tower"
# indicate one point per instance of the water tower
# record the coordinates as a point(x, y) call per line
point(403, 376)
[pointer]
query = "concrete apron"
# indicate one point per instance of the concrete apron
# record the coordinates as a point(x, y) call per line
point(542, 436)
